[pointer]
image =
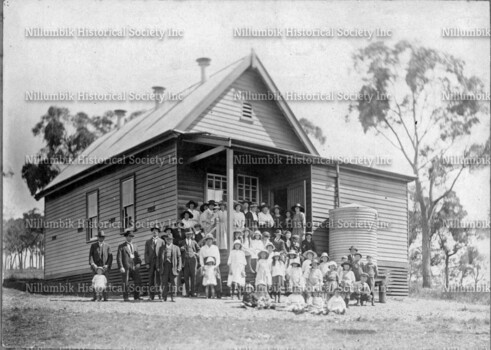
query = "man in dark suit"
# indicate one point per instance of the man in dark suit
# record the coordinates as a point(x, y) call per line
point(169, 265)
point(100, 256)
point(129, 265)
point(152, 247)
point(189, 253)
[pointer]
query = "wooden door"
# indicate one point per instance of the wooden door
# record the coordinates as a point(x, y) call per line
point(297, 193)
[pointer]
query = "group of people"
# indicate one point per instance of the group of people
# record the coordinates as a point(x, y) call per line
point(267, 245)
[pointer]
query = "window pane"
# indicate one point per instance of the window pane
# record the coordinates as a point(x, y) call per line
point(128, 192)
point(92, 204)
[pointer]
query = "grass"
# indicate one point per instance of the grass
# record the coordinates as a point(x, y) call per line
point(468, 297)
point(75, 322)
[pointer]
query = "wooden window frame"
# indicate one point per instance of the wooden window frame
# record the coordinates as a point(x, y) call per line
point(88, 236)
point(223, 177)
point(121, 208)
point(257, 185)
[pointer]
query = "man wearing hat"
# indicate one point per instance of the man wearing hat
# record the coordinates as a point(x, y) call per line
point(192, 207)
point(357, 266)
point(210, 249)
point(169, 265)
point(100, 256)
point(351, 256)
point(251, 217)
point(189, 254)
point(129, 265)
point(308, 243)
point(152, 247)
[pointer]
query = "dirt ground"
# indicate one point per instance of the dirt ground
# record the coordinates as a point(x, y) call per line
point(74, 322)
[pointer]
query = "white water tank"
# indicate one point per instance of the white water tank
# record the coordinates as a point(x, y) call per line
point(352, 225)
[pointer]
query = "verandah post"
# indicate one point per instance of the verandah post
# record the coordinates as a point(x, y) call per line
point(230, 195)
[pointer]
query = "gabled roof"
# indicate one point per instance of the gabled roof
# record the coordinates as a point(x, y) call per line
point(173, 115)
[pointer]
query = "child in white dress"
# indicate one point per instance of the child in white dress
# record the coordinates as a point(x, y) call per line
point(278, 274)
point(236, 267)
point(336, 304)
point(256, 246)
point(263, 272)
point(99, 283)
point(210, 277)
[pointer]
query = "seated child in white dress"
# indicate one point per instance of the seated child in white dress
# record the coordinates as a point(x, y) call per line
point(336, 303)
point(99, 283)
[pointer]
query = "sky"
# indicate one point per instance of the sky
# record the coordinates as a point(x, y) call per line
point(295, 64)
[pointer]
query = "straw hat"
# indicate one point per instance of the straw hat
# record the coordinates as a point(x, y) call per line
point(263, 252)
point(309, 251)
point(237, 241)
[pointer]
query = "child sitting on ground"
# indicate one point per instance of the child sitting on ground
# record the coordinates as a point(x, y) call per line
point(99, 283)
point(336, 304)
point(362, 291)
point(295, 301)
point(210, 275)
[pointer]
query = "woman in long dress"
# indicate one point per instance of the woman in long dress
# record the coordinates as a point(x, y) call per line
point(236, 268)
point(222, 237)
point(298, 220)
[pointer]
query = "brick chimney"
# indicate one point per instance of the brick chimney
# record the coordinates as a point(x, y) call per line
point(203, 62)
point(120, 115)
point(158, 91)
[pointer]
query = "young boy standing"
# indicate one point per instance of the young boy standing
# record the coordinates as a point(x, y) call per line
point(370, 268)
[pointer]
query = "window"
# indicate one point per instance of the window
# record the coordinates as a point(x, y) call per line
point(128, 203)
point(216, 187)
point(92, 214)
point(247, 188)
point(246, 110)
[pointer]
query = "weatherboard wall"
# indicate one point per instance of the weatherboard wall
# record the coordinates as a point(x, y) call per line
point(155, 200)
point(268, 126)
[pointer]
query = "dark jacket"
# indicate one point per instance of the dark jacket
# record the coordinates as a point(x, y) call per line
point(189, 251)
point(308, 246)
point(96, 258)
point(124, 258)
point(151, 250)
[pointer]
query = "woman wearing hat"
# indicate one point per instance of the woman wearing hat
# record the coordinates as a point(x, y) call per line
point(239, 217)
point(263, 271)
point(193, 208)
point(298, 220)
point(236, 268)
point(288, 221)
point(256, 246)
point(220, 213)
point(187, 219)
point(265, 220)
point(308, 243)
point(206, 217)
point(277, 217)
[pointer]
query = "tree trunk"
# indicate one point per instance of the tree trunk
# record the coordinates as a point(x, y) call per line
point(426, 237)
point(446, 270)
